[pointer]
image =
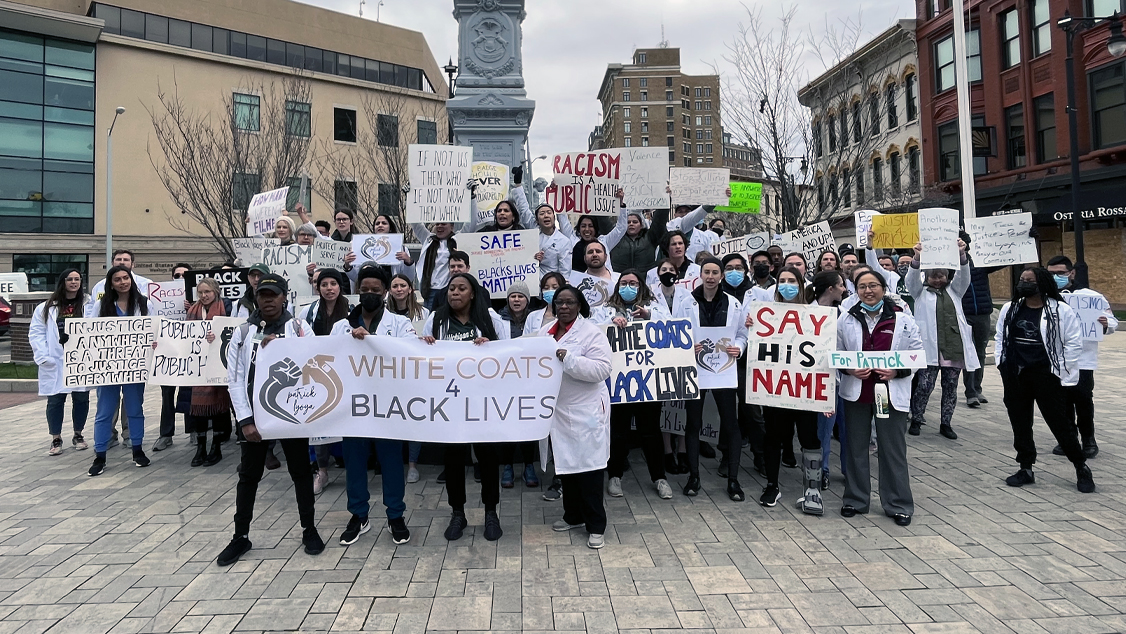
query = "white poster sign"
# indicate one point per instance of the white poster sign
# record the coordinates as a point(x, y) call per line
point(438, 177)
point(380, 248)
point(501, 258)
point(169, 298)
point(716, 367)
point(699, 185)
point(744, 245)
point(863, 221)
point(330, 254)
point(12, 283)
point(249, 250)
point(652, 361)
point(810, 241)
point(493, 187)
point(788, 357)
point(1001, 240)
point(107, 351)
point(291, 262)
point(644, 177)
point(184, 357)
point(1089, 308)
point(596, 289)
point(876, 360)
point(674, 418)
point(938, 231)
point(404, 389)
point(264, 210)
point(586, 183)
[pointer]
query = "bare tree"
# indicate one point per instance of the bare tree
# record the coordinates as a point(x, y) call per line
point(212, 163)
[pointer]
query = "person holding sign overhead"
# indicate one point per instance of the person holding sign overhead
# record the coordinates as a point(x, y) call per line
point(884, 395)
point(588, 233)
point(386, 224)
point(47, 336)
point(554, 255)
point(433, 268)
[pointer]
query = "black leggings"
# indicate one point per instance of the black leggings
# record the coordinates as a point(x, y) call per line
point(730, 441)
point(457, 458)
point(780, 423)
point(647, 417)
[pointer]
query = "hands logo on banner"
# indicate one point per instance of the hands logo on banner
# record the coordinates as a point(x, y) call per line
point(713, 354)
point(594, 292)
point(375, 249)
point(303, 403)
point(225, 337)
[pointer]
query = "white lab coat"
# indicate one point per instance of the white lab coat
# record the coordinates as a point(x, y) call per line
point(390, 325)
point(689, 309)
point(926, 305)
point(1089, 358)
point(534, 322)
point(43, 336)
point(1069, 345)
point(580, 436)
point(556, 247)
point(681, 294)
point(240, 356)
point(691, 273)
point(850, 338)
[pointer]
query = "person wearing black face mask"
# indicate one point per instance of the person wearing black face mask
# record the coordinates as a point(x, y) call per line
point(763, 279)
point(372, 318)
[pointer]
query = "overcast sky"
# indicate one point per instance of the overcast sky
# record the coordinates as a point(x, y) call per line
point(568, 43)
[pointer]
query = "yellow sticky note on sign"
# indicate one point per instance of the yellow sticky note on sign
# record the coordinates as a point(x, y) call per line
point(895, 231)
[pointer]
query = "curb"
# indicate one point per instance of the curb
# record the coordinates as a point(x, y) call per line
point(19, 385)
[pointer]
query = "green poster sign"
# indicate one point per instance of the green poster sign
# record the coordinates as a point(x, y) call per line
point(745, 198)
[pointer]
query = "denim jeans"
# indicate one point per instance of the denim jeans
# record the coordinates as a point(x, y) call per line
point(390, 453)
point(80, 410)
point(825, 433)
point(414, 449)
point(108, 397)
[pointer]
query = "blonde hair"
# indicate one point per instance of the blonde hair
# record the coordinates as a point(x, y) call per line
point(208, 282)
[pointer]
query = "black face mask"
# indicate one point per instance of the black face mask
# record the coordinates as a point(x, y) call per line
point(718, 231)
point(1027, 289)
point(371, 302)
point(667, 278)
point(762, 270)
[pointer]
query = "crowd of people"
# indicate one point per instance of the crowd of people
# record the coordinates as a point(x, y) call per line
point(656, 265)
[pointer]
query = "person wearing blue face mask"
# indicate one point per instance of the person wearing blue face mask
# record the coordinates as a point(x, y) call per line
point(738, 282)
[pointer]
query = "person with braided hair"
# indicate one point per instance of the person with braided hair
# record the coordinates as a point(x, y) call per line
point(1038, 348)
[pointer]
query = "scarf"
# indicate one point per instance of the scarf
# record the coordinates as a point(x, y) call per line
point(208, 401)
point(432, 257)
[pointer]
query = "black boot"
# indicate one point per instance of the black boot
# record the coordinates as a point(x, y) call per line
point(216, 454)
point(200, 451)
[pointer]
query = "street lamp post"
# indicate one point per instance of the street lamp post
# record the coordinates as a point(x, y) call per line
point(109, 188)
point(1116, 46)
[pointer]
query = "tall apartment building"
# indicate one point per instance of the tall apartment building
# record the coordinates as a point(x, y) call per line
point(744, 161)
point(651, 102)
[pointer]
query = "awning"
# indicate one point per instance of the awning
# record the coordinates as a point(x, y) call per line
point(1096, 200)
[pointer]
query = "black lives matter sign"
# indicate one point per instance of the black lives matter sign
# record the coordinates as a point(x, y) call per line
point(232, 282)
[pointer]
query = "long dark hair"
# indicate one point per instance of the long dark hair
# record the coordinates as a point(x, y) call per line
point(1048, 290)
point(823, 281)
point(584, 306)
point(478, 310)
point(390, 223)
point(323, 320)
point(107, 307)
point(644, 295)
point(515, 226)
point(59, 295)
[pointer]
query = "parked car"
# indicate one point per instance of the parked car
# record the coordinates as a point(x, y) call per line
point(5, 316)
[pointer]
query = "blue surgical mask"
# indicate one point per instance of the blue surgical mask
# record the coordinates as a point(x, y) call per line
point(1062, 281)
point(734, 277)
point(788, 291)
point(874, 307)
point(628, 293)
point(548, 295)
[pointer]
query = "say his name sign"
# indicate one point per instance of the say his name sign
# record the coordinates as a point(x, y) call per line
point(875, 360)
point(169, 298)
point(585, 183)
point(652, 361)
point(699, 185)
point(499, 259)
point(1089, 308)
point(107, 351)
point(404, 389)
point(232, 283)
point(1001, 240)
point(438, 177)
point(788, 357)
point(264, 210)
point(380, 248)
point(184, 357)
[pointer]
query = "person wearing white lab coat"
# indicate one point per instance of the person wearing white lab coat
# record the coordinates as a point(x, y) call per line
point(548, 285)
point(121, 257)
point(47, 335)
point(580, 435)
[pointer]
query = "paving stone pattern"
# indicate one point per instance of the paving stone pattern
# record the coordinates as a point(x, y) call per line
point(134, 549)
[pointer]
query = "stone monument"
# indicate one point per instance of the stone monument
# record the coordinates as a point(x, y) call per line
point(490, 109)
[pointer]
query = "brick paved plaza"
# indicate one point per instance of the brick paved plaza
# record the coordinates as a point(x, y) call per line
point(134, 549)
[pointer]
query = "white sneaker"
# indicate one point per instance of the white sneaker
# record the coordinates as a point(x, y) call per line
point(320, 481)
point(412, 476)
point(561, 526)
point(615, 487)
point(664, 491)
point(595, 541)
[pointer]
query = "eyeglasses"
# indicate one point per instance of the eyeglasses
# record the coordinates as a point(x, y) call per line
point(566, 302)
point(868, 287)
point(629, 284)
point(341, 219)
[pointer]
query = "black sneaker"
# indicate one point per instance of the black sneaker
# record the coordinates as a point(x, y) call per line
point(238, 547)
point(692, 487)
point(457, 526)
point(1021, 478)
point(1058, 450)
point(356, 526)
point(706, 451)
point(722, 470)
point(492, 526)
point(1090, 448)
point(770, 495)
point(914, 429)
point(1084, 482)
point(99, 465)
point(734, 491)
point(824, 480)
point(442, 477)
point(477, 472)
point(139, 457)
point(314, 545)
point(400, 534)
point(555, 491)
point(948, 432)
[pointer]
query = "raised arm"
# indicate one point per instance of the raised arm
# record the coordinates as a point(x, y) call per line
point(611, 240)
point(519, 198)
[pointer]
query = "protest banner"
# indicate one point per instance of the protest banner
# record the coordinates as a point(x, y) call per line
point(652, 361)
point(596, 289)
point(501, 258)
point(330, 254)
point(168, 298)
point(746, 198)
point(12, 283)
point(264, 210)
point(876, 360)
point(232, 282)
point(863, 221)
point(249, 250)
point(1089, 308)
point(585, 183)
point(184, 357)
point(1001, 240)
point(380, 248)
point(699, 185)
point(938, 231)
point(810, 240)
point(644, 176)
point(788, 357)
point(744, 245)
point(493, 188)
point(107, 351)
point(894, 231)
point(404, 389)
point(291, 262)
point(716, 368)
point(674, 418)
point(438, 177)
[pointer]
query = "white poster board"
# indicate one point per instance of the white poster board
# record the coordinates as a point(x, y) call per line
point(291, 262)
point(330, 254)
point(380, 248)
point(938, 231)
point(644, 177)
point(184, 357)
point(499, 259)
point(493, 181)
point(699, 185)
point(249, 250)
point(107, 351)
point(596, 289)
point(810, 240)
point(264, 210)
point(717, 369)
point(169, 299)
point(12, 283)
point(743, 245)
point(788, 357)
point(438, 177)
point(674, 418)
point(1089, 307)
point(652, 361)
point(863, 221)
point(585, 183)
point(1001, 240)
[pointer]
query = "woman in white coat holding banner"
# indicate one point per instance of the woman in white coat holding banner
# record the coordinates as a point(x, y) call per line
point(47, 336)
point(580, 436)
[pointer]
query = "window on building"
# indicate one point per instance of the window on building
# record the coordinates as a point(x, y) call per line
point(644, 126)
point(1041, 27)
point(625, 112)
point(132, 23)
point(1010, 38)
point(834, 193)
point(669, 126)
point(298, 119)
point(893, 113)
point(934, 7)
point(707, 134)
point(1103, 8)
point(874, 113)
point(878, 178)
point(944, 64)
point(709, 148)
point(707, 92)
point(910, 91)
point(708, 159)
point(344, 125)
point(156, 28)
point(859, 186)
point(688, 161)
point(1046, 128)
point(203, 36)
point(387, 130)
point(699, 92)
point(671, 141)
point(180, 33)
point(427, 132)
point(645, 95)
point(846, 188)
point(707, 119)
point(346, 196)
point(641, 58)
point(700, 134)
point(389, 199)
point(43, 270)
point(1108, 106)
point(856, 127)
point(815, 132)
point(707, 105)
point(644, 141)
point(699, 120)
point(844, 127)
point(832, 126)
point(1014, 136)
point(248, 112)
point(973, 54)
point(629, 142)
point(291, 198)
point(669, 110)
point(625, 96)
point(644, 81)
point(699, 105)
point(687, 148)
point(668, 81)
point(895, 169)
point(948, 151)
point(627, 127)
point(243, 188)
point(699, 148)
point(625, 82)
point(644, 113)
point(913, 166)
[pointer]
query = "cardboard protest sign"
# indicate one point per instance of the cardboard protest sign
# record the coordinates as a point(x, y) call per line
point(746, 198)
point(644, 176)
point(1001, 240)
point(493, 188)
point(699, 185)
point(168, 298)
point(404, 389)
point(894, 231)
point(291, 262)
point(674, 418)
point(499, 259)
point(652, 361)
point(788, 356)
point(717, 368)
point(232, 283)
point(810, 240)
point(264, 210)
point(12, 283)
point(586, 183)
point(330, 254)
point(380, 248)
point(1089, 307)
point(863, 221)
point(184, 357)
point(107, 351)
point(249, 250)
point(938, 231)
point(596, 289)
point(876, 360)
point(438, 177)
point(745, 245)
